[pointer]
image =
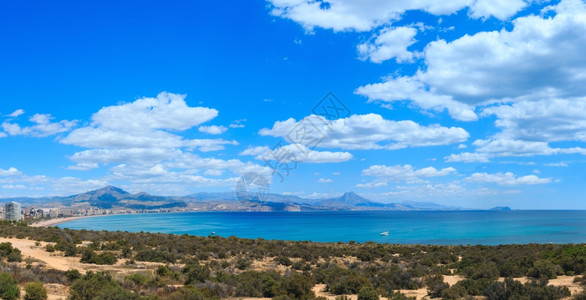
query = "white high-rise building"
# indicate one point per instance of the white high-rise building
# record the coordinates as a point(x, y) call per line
point(12, 211)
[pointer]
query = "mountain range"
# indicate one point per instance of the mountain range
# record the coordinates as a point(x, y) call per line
point(111, 197)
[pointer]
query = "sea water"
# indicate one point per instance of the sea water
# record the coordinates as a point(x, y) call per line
point(412, 227)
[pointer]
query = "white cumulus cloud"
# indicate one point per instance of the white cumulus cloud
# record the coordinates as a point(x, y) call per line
point(43, 126)
point(507, 178)
point(405, 172)
point(10, 172)
point(295, 153)
point(370, 131)
point(213, 129)
point(365, 15)
point(389, 43)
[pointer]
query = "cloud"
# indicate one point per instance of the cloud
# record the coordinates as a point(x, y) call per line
point(207, 145)
point(554, 120)
point(490, 148)
point(213, 129)
point(500, 9)
point(21, 184)
point(296, 153)
point(194, 163)
point(16, 113)
point(405, 172)
point(365, 15)
point(468, 157)
point(408, 88)
point(2, 134)
point(83, 166)
point(168, 111)
point(529, 127)
point(14, 186)
point(538, 60)
point(105, 156)
point(148, 150)
point(144, 130)
point(365, 132)
point(255, 150)
point(325, 180)
point(237, 123)
point(10, 172)
point(453, 190)
point(43, 126)
point(507, 178)
point(389, 43)
point(370, 185)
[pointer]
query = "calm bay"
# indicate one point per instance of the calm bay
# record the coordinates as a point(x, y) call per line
point(403, 227)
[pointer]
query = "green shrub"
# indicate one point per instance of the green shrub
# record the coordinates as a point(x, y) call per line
point(243, 263)
point(9, 289)
point(90, 257)
point(12, 254)
point(196, 273)
point(164, 271)
point(350, 284)
point(299, 286)
point(186, 293)
point(155, 256)
point(283, 260)
point(367, 293)
point(72, 275)
point(435, 285)
point(35, 291)
point(543, 269)
point(98, 286)
point(68, 248)
point(49, 248)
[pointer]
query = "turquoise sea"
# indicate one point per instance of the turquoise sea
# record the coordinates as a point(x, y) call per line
point(437, 227)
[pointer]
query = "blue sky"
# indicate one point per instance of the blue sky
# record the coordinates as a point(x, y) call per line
point(471, 103)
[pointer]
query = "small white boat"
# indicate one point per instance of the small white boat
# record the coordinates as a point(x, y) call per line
point(386, 233)
point(213, 232)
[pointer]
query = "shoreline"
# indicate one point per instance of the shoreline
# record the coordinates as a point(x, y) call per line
point(57, 221)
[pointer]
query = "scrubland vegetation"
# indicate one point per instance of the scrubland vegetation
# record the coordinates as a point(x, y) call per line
point(190, 267)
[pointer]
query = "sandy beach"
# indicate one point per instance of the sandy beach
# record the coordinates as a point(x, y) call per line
point(57, 221)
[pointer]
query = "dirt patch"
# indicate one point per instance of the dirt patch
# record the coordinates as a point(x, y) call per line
point(56, 261)
point(418, 294)
point(567, 281)
point(452, 279)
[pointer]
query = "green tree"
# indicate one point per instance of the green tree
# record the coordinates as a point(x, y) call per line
point(35, 291)
point(299, 286)
point(8, 287)
point(96, 286)
point(436, 285)
point(186, 293)
point(368, 293)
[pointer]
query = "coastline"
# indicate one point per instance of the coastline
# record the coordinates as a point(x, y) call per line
point(57, 221)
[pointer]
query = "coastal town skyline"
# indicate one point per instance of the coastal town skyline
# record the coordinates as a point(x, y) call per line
point(467, 104)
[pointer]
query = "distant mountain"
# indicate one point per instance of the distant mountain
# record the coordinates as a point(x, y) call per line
point(348, 200)
point(111, 197)
point(108, 197)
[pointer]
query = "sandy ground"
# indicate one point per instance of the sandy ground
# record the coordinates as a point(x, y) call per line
point(57, 261)
point(452, 279)
point(57, 221)
point(568, 281)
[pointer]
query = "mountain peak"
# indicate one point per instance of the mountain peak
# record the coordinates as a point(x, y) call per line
point(351, 198)
point(350, 194)
point(111, 189)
